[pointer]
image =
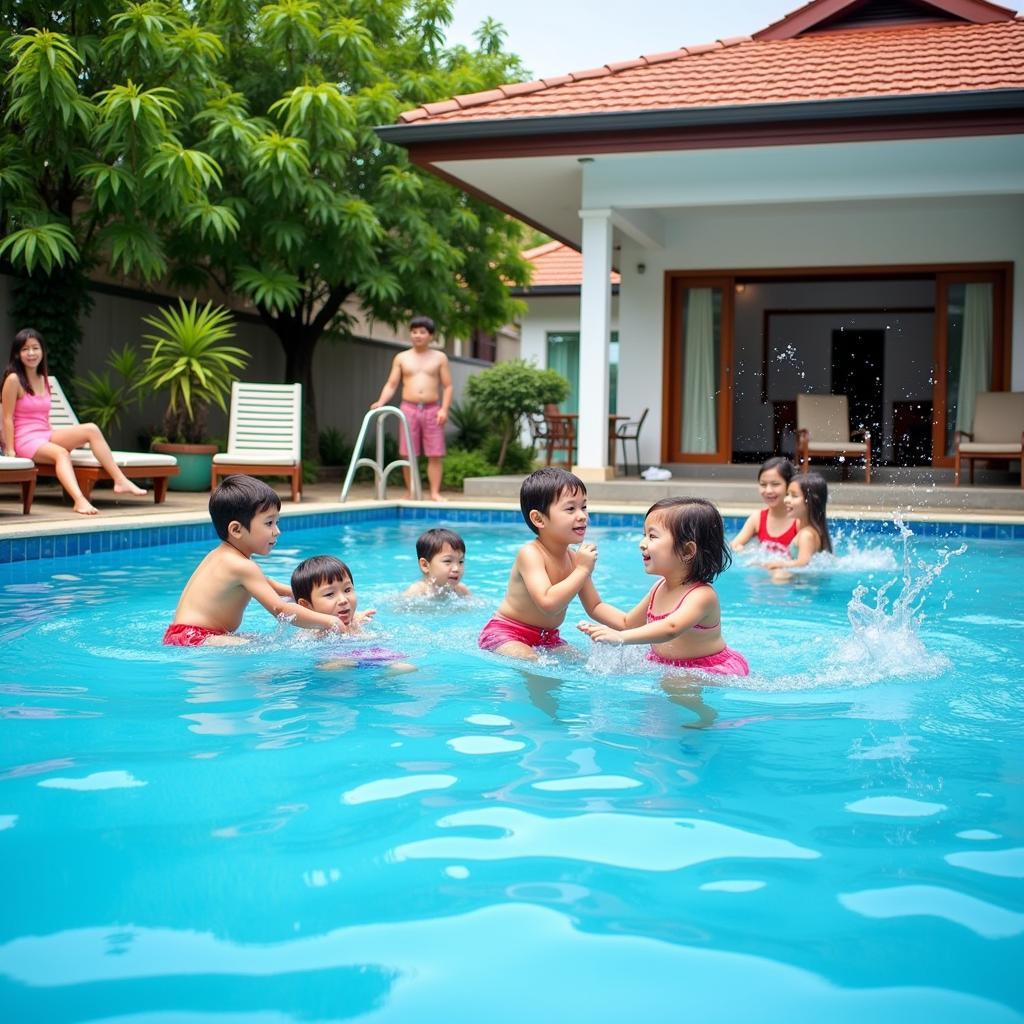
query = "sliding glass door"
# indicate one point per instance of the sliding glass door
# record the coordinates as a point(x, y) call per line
point(697, 385)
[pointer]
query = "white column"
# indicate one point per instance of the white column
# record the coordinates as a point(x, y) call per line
point(595, 331)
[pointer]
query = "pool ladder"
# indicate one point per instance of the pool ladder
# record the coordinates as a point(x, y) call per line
point(380, 471)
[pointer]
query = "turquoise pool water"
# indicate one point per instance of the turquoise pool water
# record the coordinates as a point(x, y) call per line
point(232, 836)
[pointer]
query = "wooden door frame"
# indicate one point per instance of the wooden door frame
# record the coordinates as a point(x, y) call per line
point(1001, 273)
point(1001, 279)
point(676, 282)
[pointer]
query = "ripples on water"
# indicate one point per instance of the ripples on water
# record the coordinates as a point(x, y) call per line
point(242, 834)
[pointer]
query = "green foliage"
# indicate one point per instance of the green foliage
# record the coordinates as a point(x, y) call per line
point(105, 396)
point(231, 143)
point(471, 425)
point(518, 458)
point(509, 391)
point(458, 464)
point(334, 448)
point(187, 357)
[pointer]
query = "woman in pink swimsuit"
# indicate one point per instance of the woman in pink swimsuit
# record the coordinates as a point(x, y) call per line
point(27, 432)
point(684, 543)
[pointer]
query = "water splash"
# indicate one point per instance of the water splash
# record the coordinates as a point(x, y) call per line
point(886, 640)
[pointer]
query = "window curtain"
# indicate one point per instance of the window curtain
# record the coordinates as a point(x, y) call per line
point(699, 414)
point(975, 352)
point(564, 357)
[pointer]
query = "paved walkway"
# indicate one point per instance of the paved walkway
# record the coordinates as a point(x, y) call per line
point(52, 513)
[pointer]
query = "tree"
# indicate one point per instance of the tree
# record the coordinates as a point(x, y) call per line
point(232, 142)
point(509, 391)
point(96, 102)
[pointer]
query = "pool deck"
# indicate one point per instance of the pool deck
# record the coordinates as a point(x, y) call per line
point(734, 493)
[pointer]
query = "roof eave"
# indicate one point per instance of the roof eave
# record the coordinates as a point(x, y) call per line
point(966, 102)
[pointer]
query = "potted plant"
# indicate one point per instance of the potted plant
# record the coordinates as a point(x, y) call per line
point(187, 357)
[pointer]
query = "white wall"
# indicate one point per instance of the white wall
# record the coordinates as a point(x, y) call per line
point(964, 230)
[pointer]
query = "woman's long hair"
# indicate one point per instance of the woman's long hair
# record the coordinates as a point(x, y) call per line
point(815, 492)
point(15, 365)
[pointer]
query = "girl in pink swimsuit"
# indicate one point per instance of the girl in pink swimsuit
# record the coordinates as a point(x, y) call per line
point(772, 526)
point(27, 432)
point(684, 543)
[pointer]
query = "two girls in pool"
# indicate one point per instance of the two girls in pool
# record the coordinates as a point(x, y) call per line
point(26, 420)
point(794, 513)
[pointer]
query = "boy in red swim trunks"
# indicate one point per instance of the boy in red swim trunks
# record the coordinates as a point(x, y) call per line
point(426, 395)
point(547, 575)
point(244, 511)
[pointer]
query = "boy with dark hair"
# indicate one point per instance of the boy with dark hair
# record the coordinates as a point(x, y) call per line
point(324, 585)
point(442, 559)
point(244, 511)
point(426, 383)
point(547, 574)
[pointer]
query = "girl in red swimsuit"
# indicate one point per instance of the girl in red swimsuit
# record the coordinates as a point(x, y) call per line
point(773, 525)
point(684, 543)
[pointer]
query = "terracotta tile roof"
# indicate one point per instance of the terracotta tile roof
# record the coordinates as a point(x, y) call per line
point(904, 59)
point(555, 264)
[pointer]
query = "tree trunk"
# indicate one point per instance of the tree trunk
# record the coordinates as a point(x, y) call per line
point(299, 344)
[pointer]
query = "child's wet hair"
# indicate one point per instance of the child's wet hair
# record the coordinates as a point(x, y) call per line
point(698, 521)
point(543, 487)
point(815, 492)
point(315, 572)
point(781, 465)
point(240, 498)
point(432, 542)
point(423, 321)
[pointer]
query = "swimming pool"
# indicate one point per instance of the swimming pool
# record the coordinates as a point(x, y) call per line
point(240, 836)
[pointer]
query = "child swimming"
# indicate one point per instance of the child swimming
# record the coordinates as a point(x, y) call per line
point(442, 560)
point(324, 584)
point(547, 574)
point(773, 526)
point(806, 501)
point(244, 511)
point(684, 543)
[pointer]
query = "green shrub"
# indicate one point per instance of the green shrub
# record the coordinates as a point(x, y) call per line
point(518, 458)
point(334, 448)
point(471, 424)
point(458, 464)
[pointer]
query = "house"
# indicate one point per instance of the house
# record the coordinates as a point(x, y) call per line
point(835, 203)
point(549, 331)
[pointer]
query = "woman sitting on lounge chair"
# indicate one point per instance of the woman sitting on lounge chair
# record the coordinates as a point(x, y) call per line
point(27, 431)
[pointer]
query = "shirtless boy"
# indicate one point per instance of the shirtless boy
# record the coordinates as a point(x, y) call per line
point(244, 511)
point(547, 574)
point(442, 558)
point(426, 395)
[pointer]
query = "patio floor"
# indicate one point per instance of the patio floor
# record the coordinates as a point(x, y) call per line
point(735, 493)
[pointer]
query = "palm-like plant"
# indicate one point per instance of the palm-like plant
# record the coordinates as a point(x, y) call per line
point(187, 357)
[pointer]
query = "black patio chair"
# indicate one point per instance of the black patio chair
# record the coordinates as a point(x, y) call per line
point(630, 431)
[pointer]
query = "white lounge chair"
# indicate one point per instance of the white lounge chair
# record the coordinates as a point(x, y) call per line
point(134, 465)
point(996, 433)
point(823, 429)
point(264, 434)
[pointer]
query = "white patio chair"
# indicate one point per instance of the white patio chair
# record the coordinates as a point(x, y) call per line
point(264, 434)
point(996, 433)
point(134, 465)
point(823, 430)
point(14, 470)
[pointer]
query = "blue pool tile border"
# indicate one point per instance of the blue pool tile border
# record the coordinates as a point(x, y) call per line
point(27, 549)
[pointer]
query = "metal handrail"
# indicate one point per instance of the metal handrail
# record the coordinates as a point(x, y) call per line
point(380, 471)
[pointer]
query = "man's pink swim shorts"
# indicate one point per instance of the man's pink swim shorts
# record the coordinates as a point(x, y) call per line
point(726, 662)
point(427, 434)
point(502, 630)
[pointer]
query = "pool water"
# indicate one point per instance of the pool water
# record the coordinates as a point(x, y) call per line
point(242, 836)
